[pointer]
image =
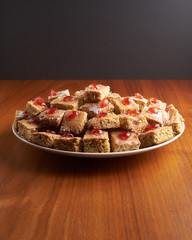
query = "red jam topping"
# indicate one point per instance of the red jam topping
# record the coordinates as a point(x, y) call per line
point(138, 96)
point(39, 101)
point(67, 134)
point(126, 101)
point(96, 132)
point(95, 86)
point(51, 111)
point(104, 103)
point(35, 121)
point(152, 110)
point(53, 93)
point(50, 131)
point(68, 99)
point(102, 114)
point(132, 112)
point(167, 109)
point(154, 100)
point(124, 135)
point(72, 115)
point(152, 126)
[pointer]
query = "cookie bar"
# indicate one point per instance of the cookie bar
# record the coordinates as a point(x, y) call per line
point(19, 115)
point(133, 120)
point(35, 107)
point(68, 143)
point(81, 96)
point(51, 118)
point(96, 92)
point(140, 100)
point(175, 119)
point(59, 94)
point(68, 102)
point(45, 139)
point(93, 109)
point(124, 141)
point(26, 128)
point(156, 136)
point(122, 105)
point(74, 122)
point(96, 141)
point(112, 96)
point(104, 120)
point(153, 102)
point(153, 114)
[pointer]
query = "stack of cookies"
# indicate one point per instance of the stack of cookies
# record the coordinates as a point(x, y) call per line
point(95, 120)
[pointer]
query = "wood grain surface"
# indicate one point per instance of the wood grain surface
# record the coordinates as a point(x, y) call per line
point(50, 196)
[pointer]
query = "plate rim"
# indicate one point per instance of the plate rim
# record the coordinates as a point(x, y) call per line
point(97, 155)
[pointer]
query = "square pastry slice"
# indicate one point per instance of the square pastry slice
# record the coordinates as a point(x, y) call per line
point(19, 115)
point(93, 109)
point(73, 122)
point(153, 102)
point(124, 141)
point(112, 96)
point(153, 114)
point(175, 119)
point(51, 118)
point(81, 96)
point(45, 139)
point(104, 120)
point(155, 135)
point(59, 94)
point(35, 107)
point(133, 120)
point(96, 141)
point(122, 105)
point(96, 92)
point(68, 102)
point(68, 142)
point(140, 100)
point(27, 127)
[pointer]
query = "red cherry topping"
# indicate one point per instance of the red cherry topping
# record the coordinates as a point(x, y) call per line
point(152, 126)
point(124, 135)
point(35, 121)
point(139, 96)
point(167, 109)
point(72, 115)
point(68, 99)
point(39, 101)
point(154, 100)
point(50, 131)
point(67, 134)
point(104, 103)
point(51, 111)
point(126, 101)
point(95, 86)
point(25, 112)
point(152, 110)
point(96, 132)
point(135, 122)
point(53, 93)
point(132, 112)
point(102, 114)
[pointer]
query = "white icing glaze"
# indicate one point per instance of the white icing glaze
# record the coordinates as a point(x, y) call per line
point(63, 93)
point(142, 100)
point(96, 109)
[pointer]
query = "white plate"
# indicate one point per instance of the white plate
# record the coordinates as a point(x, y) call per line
point(98, 155)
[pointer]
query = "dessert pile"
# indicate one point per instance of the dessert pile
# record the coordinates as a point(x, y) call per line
point(95, 120)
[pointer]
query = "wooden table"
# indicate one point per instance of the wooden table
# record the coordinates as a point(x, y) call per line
point(49, 196)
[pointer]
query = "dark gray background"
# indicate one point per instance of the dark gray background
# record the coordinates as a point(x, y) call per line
point(95, 39)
